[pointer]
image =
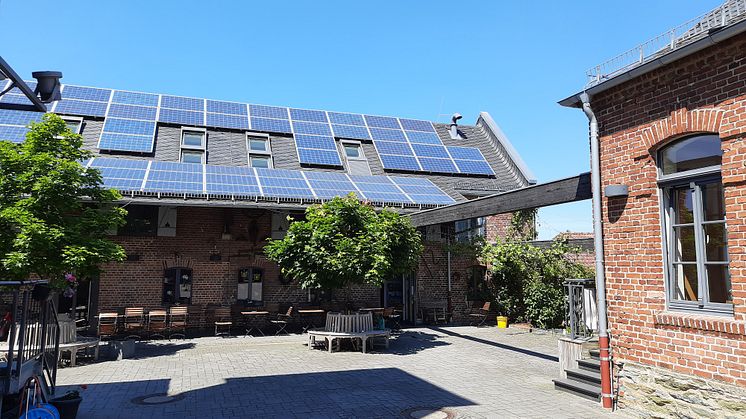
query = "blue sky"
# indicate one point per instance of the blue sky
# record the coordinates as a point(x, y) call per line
point(417, 59)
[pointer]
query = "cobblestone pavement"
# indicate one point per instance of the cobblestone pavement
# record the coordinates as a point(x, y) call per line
point(468, 372)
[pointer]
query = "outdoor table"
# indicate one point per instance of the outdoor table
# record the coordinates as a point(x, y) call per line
point(308, 317)
point(374, 310)
point(250, 316)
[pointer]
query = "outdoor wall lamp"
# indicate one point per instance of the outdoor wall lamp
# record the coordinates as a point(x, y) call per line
point(616, 191)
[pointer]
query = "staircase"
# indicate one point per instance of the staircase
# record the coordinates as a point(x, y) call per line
point(584, 381)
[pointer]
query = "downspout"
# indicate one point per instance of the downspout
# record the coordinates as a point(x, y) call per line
point(603, 334)
point(449, 307)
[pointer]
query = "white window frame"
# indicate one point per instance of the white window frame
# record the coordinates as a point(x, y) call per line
point(361, 157)
point(666, 184)
point(75, 119)
point(193, 148)
point(259, 153)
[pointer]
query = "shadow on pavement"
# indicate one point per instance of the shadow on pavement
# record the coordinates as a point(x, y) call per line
point(498, 345)
point(378, 392)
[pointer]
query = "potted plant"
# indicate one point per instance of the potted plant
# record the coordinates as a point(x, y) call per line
point(68, 404)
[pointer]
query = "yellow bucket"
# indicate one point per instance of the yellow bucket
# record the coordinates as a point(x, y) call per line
point(502, 322)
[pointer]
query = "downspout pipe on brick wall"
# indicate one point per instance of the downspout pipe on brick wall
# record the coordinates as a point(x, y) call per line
point(603, 334)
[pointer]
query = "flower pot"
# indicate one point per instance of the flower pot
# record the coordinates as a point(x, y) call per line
point(68, 407)
point(502, 322)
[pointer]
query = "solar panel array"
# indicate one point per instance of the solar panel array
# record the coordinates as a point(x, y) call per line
point(402, 144)
point(155, 177)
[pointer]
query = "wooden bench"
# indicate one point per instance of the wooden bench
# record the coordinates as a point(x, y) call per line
point(71, 342)
point(348, 326)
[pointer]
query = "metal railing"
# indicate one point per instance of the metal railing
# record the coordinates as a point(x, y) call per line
point(728, 13)
point(578, 307)
point(33, 340)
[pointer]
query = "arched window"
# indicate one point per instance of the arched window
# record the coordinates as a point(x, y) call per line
point(695, 232)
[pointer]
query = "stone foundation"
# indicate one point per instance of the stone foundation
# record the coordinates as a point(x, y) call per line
point(652, 392)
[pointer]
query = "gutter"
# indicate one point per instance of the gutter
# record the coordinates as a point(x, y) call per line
point(603, 334)
point(713, 38)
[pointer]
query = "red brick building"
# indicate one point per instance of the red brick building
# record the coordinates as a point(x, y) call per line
point(672, 129)
point(207, 183)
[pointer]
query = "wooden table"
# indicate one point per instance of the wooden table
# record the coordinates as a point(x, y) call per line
point(309, 315)
point(250, 316)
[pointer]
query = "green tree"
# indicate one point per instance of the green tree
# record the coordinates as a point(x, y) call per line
point(344, 242)
point(54, 213)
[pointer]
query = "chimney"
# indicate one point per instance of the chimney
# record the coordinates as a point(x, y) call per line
point(454, 126)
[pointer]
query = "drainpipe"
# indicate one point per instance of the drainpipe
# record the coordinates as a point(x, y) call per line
point(449, 299)
point(603, 334)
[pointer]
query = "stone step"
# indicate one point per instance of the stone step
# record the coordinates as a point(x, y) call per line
point(578, 388)
point(589, 364)
point(595, 354)
point(585, 376)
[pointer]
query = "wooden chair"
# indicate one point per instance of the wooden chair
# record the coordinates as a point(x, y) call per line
point(480, 316)
point(282, 321)
point(107, 325)
point(222, 319)
point(390, 316)
point(177, 321)
point(157, 323)
point(134, 322)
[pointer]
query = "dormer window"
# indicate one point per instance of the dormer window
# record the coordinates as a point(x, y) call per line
point(193, 145)
point(357, 164)
point(260, 151)
point(74, 123)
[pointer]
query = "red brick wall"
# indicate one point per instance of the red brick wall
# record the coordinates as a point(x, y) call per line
point(497, 226)
point(702, 93)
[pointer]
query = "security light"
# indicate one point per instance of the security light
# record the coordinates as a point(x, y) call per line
point(48, 85)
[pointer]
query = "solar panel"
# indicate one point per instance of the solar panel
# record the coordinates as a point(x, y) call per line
point(13, 134)
point(321, 157)
point(423, 138)
point(383, 134)
point(177, 116)
point(346, 118)
point(268, 111)
point(20, 118)
point(390, 147)
point(81, 107)
point(437, 165)
point(426, 150)
point(86, 93)
point(470, 160)
point(183, 103)
point(228, 121)
point(135, 98)
point(17, 99)
point(132, 112)
point(312, 128)
point(125, 142)
point(121, 174)
point(379, 189)
point(329, 185)
point(474, 167)
point(315, 141)
point(271, 125)
point(129, 126)
point(283, 183)
point(422, 191)
point(417, 125)
point(230, 108)
point(174, 177)
point(351, 131)
point(399, 162)
point(308, 115)
point(382, 122)
point(225, 180)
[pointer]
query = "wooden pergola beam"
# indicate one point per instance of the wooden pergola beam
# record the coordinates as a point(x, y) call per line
point(576, 188)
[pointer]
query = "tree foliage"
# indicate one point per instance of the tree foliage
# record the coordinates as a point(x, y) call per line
point(526, 281)
point(54, 213)
point(343, 242)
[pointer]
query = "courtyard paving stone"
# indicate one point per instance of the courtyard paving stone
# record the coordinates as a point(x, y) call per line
point(472, 372)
